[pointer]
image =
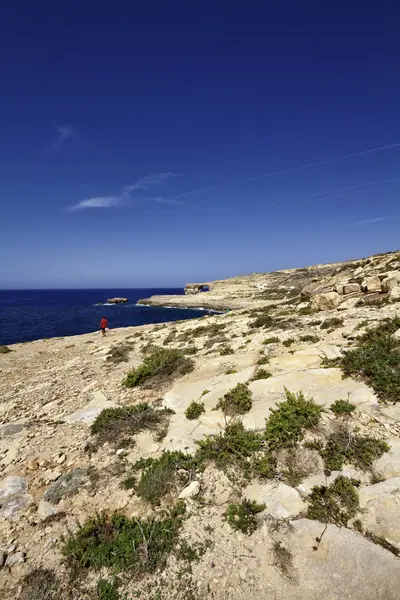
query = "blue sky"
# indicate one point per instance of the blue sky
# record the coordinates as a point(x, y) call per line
point(152, 144)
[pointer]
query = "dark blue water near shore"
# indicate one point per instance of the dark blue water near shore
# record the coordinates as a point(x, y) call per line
point(27, 315)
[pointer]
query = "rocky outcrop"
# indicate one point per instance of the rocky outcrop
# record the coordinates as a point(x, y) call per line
point(117, 300)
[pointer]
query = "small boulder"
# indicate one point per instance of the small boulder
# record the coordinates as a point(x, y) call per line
point(46, 510)
point(117, 300)
point(12, 485)
point(351, 288)
point(371, 284)
point(190, 490)
point(339, 288)
point(13, 559)
point(391, 282)
point(325, 301)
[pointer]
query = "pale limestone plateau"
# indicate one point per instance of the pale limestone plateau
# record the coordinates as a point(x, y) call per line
point(52, 391)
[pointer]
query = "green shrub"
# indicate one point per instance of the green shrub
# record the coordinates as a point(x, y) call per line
point(116, 542)
point(160, 475)
point(108, 590)
point(332, 323)
point(237, 401)
point(4, 350)
point(263, 320)
point(342, 407)
point(261, 374)
point(263, 360)
point(271, 340)
point(286, 424)
point(309, 338)
point(120, 353)
point(288, 342)
point(194, 410)
point(376, 360)
point(306, 310)
point(345, 446)
point(225, 350)
point(337, 503)
point(122, 422)
point(243, 517)
point(161, 364)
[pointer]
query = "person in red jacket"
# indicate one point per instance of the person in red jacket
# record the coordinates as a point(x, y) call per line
point(103, 325)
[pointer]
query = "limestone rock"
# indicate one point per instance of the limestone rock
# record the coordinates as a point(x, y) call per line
point(13, 559)
point(371, 284)
point(117, 300)
point(339, 288)
point(352, 288)
point(68, 484)
point(388, 465)
point(395, 293)
point(325, 301)
point(46, 510)
point(190, 490)
point(391, 282)
point(88, 414)
point(381, 504)
point(396, 335)
point(11, 429)
point(281, 501)
point(12, 485)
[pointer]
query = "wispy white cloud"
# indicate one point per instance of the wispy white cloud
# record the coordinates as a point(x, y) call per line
point(127, 195)
point(63, 133)
point(374, 220)
point(100, 202)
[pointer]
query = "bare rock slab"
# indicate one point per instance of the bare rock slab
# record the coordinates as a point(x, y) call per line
point(281, 501)
point(381, 504)
point(388, 465)
point(89, 413)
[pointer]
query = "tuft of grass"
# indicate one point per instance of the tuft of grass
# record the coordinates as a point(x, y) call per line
point(243, 517)
point(345, 446)
point(225, 350)
point(286, 424)
point(332, 323)
point(376, 360)
point(261, 374)
point(309, 338)
point(306, 310)
point(288, 342)
point(237, 401)
point(194, 410)
point(5, 350)
point(162, 363)
point(283, 559)
point(263, 320)
point(160, 475)
point(362, 324)
point(204, 392)
point(119, 353)
point(336, 503)
point(263, 360)
point(271, 340)
point(342, 407)
point(122, 422)
point(117, 542)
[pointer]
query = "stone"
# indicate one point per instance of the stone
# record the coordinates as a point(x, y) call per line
point(395, 293)
point(14, 505)
point(339, 288)
point(305, 487)
point(391, 282)
point(371, 284)
point(12, 485)
point(388, 465)
point(46, 510)
point(381, 509)
point(190, 490)
point(309, 358)
point(89, 413)
point(11, 429)
point(325, 301)
point(302, 306)
point(67, 485)
point(61, 459)
point(396, 335)
point(281, 501)
point(352, 288)
point(3, 557)
point(117, 300)
point(13, 559)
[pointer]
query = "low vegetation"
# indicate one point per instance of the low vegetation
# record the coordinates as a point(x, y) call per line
point(342, 407)
point(5, 350)
point(263, 360)
point(160, 476)
point(332, 323)
point(41, 584)
point(118, 425)
point(237, 401)
point(161, 364)
point(271, 340)
point(120, 353)
point(261, 374)
point(243, 517)
point(288, 342)
point(286, 424)
point(263, 320)
point(306, 310)
point(345, 446)
point(119, 543)
point(194, 410)
point(226, 350)
point(336, 503)
point(376, 360)
point(309, 338)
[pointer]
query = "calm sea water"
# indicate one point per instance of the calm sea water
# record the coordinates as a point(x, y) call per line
point(36, 314)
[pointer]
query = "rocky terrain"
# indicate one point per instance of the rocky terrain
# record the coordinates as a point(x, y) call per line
point(251, 454)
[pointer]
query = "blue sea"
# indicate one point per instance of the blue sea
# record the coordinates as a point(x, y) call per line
point(27, 315)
